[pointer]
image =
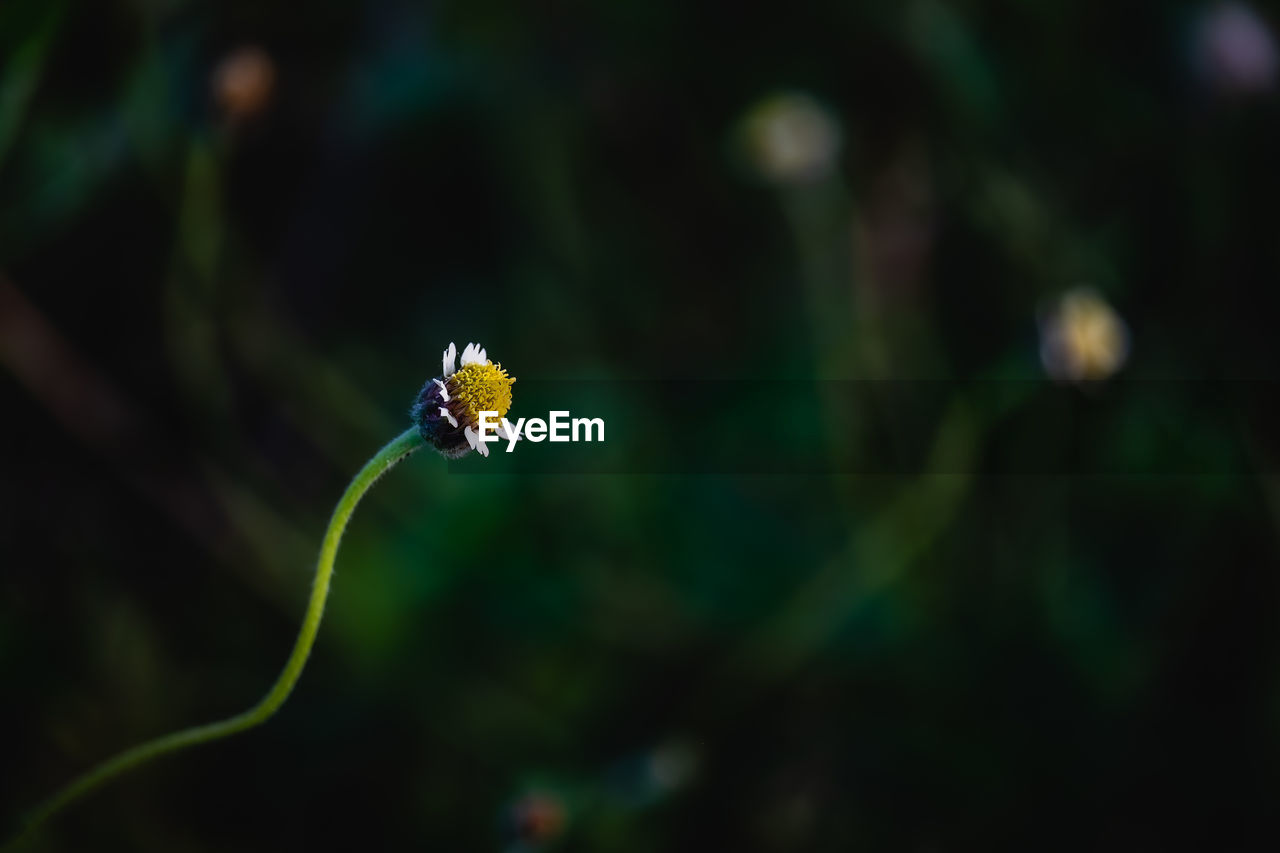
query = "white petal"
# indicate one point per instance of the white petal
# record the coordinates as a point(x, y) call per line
point(481, 355)
point(471, 437)
point(444, 391)
point(472, 355)
point(445, 413)
point(483, 448)
point(450, 355)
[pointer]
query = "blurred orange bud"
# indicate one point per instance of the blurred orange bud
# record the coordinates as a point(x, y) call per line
point(538, 816)
point(243, 83)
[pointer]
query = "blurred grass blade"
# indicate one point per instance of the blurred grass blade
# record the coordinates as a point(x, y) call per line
point(23, 69)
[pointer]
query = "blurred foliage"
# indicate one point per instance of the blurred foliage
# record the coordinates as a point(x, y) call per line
point(234, 237)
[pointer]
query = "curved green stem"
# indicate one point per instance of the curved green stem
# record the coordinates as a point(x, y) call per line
point(385, 458)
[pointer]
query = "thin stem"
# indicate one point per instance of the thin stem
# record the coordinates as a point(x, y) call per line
point(388, 456)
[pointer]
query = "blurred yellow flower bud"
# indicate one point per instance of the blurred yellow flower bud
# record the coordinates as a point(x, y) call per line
point(1082, 338)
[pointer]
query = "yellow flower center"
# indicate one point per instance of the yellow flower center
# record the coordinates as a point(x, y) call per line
point(482, 388)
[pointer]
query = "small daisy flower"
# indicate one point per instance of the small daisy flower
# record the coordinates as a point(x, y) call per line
point(448, 408)
point(1082, 338)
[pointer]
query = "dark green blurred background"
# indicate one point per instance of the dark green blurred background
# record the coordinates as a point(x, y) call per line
point(235, 237)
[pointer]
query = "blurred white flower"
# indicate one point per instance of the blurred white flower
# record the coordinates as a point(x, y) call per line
point(1082, 338)
point(673, 765)
point(792, 139)
point(1235, 51)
